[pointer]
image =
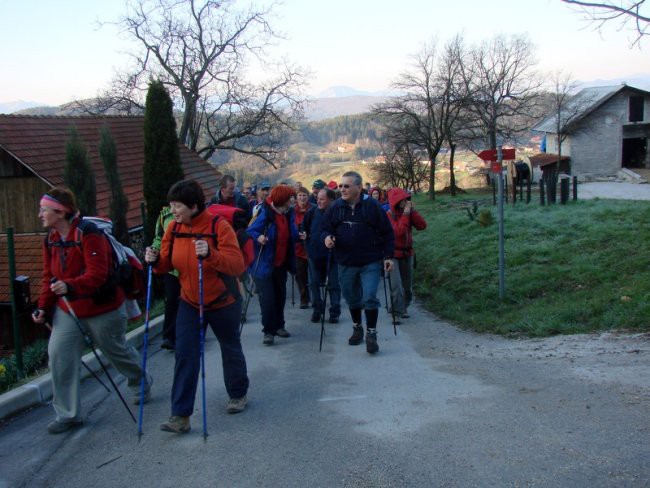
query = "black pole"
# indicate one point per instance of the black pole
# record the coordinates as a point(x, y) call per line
point(541, 192)
point(564, 191)
point(575, 188)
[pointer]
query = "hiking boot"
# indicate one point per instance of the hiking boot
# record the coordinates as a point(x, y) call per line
point(58, 427)
point(282, 333)
point(176, 424)
point(147, 391)
point(334, 319)
point(315, 317)
point(357, 335)
point(268, 340)
point(405, 315)
point(167, 344)
point(236, 405)
point(371, 341)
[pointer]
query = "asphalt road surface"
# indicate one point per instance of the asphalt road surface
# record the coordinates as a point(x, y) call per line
point(436, 407)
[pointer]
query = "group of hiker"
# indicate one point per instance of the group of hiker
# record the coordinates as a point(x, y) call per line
point(336, 240)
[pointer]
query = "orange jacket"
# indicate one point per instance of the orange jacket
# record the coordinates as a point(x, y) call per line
point(224, 260)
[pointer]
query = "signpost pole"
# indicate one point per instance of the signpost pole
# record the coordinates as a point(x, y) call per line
point(502, 259)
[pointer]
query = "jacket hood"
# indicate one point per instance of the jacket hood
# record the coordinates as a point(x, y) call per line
point(396, 195)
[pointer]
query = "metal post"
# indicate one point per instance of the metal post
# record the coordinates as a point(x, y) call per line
point(575, 188)
point(502, 258)
point(18, 343)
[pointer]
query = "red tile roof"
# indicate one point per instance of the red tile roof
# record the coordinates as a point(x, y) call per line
point(29, 262)
point(38, 142)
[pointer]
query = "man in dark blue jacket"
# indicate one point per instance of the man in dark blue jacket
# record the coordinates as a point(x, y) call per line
point(229, 195)
point(321, 259)
point(361, 235)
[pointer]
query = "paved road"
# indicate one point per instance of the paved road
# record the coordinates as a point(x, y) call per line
point(436, 407)
point(614, 190)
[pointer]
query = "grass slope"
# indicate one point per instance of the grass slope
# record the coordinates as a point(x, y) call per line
point(570, 268)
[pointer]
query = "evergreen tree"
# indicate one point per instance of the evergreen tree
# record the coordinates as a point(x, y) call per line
point(162, 162)
point(78, 174)
point(118, 203)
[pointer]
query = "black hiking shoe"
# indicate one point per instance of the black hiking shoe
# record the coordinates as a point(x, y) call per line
point(334, 319)
point(357, 335)
point(371, 341)
point(315, 317)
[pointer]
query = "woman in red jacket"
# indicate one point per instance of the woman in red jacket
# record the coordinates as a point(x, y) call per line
point(403, 217)
point(77, 263)
point(195, 234)
point(302, 264)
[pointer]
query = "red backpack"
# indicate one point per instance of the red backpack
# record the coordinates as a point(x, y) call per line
point(236, 217)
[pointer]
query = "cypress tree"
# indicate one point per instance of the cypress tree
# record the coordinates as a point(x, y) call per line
point(162, 162)
point(78, 174)
point(118, 203)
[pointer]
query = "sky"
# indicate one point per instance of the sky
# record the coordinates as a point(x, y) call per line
point(54, 51)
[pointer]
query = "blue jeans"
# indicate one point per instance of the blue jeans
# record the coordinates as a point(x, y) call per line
point(359, 285)
point(317, 270)
point(272, 292)
point(225, 325)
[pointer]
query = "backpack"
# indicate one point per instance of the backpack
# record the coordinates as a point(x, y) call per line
point(127, 273)
point(236, 217)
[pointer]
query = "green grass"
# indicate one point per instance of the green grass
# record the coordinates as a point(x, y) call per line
point(573, 268)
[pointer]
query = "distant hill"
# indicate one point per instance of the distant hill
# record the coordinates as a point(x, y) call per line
point(18, 105)
point(327, 108)
point(640, 80)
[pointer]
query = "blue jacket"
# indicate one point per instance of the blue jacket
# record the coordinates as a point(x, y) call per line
point(313, 226)
point(363, 233)
point(265, 222)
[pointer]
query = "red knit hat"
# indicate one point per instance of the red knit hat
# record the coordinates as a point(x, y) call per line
point(332, 185)
point(281, 194)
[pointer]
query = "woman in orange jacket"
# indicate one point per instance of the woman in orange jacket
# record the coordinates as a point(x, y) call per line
point(192, 235)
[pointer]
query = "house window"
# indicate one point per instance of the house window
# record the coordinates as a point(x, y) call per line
point(636, 109)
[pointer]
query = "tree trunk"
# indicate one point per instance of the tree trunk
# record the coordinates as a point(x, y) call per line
point(452, 176)
point(432, 179)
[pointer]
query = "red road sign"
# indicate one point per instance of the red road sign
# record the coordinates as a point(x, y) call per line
point(491, 154)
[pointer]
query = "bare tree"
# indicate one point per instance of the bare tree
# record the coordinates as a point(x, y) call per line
point(503, 87)
point(424, 115)
point(624, 12)
point(200, 50)
point(404, 166)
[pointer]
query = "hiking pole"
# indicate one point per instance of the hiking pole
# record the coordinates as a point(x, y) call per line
point(83, 363)
point(145, 343)
point(392, 308)
point(89, 343)
point(325, 287)
point(202, 350)
point(250, 294)
point(293, 301)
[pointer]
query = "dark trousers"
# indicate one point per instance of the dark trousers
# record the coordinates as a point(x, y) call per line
point(172, 297)
point(317, 271)
point(302, 277)
point(272, 292)
point(225, 325)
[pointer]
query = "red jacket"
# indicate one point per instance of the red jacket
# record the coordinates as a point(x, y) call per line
point(301, 252)
point(225, 259)
point(84, 267)
point(403, 223)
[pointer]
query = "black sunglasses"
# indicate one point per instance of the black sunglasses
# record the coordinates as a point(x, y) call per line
point(345, 186)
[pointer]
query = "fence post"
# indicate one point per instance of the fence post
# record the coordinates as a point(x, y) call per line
point(541, 191)
point(18, 343)
point(564, 190)
point(575, 188)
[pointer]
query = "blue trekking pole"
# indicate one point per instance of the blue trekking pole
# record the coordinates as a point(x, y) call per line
point(202, 349)
point(145, 343)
